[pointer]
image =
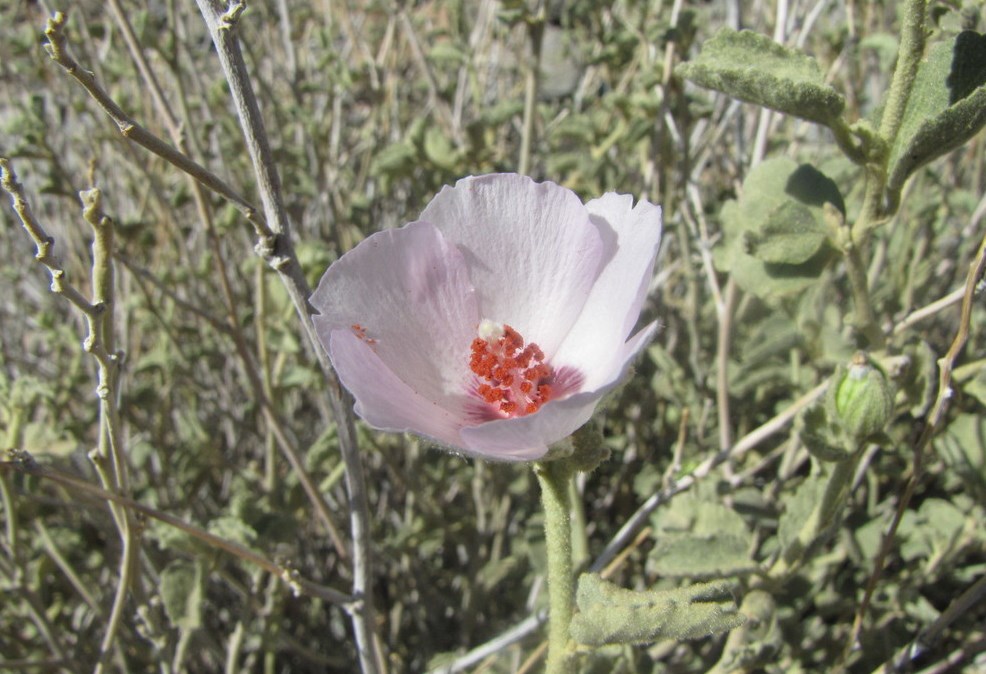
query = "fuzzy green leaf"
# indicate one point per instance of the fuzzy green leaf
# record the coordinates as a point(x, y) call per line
point(438, 149)
point(775, 236)
point(933, 531)
point(757, 641)
point(181, 594)
point(791, 235)
point(820, 437)
point(717, 555)
point(963, 448)
point(798, 509)
point(232, 528)
point(609, 614)
point(755, 69)
point(947, 106)
point(700, 538)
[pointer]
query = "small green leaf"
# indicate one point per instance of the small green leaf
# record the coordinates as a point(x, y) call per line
point(447, 53)
point(791, 235)
point(819, 436)
point(181, 594)
point(699, 537)
point(757, 641)
point(976, 387)
point(716, 555)
point(920, 381)
point(799, 508)
point(232, 528)
point(755, 69)
point(963, 448)
point(438, 148)
point(770, 244)
point(609, 614)
point(395, 159)
point(946, 108)
point(933, 531)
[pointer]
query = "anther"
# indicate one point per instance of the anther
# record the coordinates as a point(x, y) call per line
point(513, 378)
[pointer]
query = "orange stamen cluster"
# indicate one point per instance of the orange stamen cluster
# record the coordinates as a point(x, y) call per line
point(512, 376)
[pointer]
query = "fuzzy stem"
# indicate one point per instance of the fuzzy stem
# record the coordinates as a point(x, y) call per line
point(875, 210)
point(912, 39)
point(837, 488)
point(865, 318)
point(554, 477)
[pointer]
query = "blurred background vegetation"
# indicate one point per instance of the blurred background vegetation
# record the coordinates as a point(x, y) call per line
point(372, 106)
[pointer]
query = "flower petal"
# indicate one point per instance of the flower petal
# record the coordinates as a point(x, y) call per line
point(533, 253)
point(382, 399)
point(614, 304)
point(407, 293)
point(528, 438)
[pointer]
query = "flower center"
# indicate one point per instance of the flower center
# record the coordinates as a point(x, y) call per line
point(513, 378)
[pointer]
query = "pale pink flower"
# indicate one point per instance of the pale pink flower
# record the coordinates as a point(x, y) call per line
point(496, 322)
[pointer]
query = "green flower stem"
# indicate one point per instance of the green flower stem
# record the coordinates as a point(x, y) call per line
point(555, 477)
point(822, 517)
point(874, 211)
point(865, 318)
point(912, 39)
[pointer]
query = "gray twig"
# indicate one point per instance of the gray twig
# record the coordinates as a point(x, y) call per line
point(278, 251)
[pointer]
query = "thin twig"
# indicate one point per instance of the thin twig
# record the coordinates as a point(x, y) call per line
point(23, 463)
point(222, 24)
point(100, 343)
point(135, 132)
point(109, 457)
point(43, 243)
point(535, 33)
point(929, 310)
point(928, 636)
point(724, 313)
point(232, 326)
point(417, 53)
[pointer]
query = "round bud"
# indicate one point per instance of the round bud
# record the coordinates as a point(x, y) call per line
point(861, 399)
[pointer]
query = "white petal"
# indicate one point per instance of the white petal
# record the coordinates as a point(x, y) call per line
point(382, 399)
point(532, 252)
point(528, 438)
point(595, 343)
point(409, 290)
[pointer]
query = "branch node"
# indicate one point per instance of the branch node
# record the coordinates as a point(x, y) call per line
point(23, 458)
point(290, 576)
point(266, 245)
point(230, 18)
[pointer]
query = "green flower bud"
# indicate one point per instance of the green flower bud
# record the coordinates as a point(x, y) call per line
point(861, 399)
